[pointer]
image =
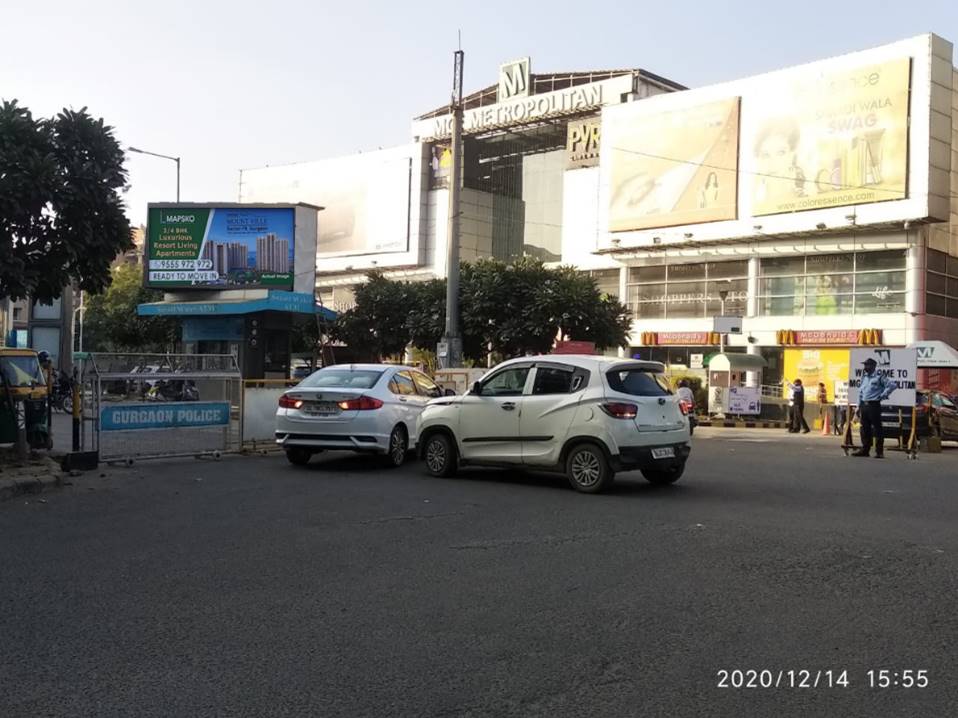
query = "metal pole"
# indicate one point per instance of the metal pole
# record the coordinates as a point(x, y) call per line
point(449, 352)
point(722, 334)
point(177, 179)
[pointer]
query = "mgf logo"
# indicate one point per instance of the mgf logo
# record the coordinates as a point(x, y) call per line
point(926, 352)
point(884, 357)
point(514, 79)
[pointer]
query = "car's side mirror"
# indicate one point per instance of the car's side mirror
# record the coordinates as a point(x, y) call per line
point(476, 388)
point(449, 392)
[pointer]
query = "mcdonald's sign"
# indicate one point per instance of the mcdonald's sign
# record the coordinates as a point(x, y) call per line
point(829, 337)
point(680, 338)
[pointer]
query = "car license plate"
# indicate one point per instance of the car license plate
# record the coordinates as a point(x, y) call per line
point(663, 452)
point(321, 408)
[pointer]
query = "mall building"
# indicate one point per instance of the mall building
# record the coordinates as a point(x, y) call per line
point(821, 201)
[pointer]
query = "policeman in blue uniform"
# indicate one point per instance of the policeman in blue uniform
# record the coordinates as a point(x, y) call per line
point(872, 391)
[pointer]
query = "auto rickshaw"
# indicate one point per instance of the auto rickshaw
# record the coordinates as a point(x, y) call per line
point(22, 380)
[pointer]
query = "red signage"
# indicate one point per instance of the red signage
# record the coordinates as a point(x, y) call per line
point(686, 338)
point(574, 347)
point(826, 337)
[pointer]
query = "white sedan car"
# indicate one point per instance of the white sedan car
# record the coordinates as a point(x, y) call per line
point(367, 408)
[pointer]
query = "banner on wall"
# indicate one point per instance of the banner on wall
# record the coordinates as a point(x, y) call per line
point(815, 366)
point(672, 168)
point(829, 139)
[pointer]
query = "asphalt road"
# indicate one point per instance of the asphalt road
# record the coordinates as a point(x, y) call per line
point(250, 587)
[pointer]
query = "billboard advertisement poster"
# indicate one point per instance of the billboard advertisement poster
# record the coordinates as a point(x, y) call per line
point(900, 365)
point(744, 400)
point(829, 139)
point(815, 366)
point(220, 247)
point(675, 167)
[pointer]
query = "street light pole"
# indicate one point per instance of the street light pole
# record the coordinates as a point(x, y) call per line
point(449, 351)
point(723, 294)
point(165, 157)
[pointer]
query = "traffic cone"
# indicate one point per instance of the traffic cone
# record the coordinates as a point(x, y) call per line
point(826, 424)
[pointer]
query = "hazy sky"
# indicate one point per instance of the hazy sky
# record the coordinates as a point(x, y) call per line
point(238, 84)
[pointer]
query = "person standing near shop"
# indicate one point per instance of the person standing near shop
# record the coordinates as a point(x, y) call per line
point(872, 391)
point(797, 420)
point(822, 402)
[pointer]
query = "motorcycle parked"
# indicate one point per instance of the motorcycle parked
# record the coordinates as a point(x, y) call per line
point(173, 390)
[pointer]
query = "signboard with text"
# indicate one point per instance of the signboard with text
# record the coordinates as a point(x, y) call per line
point(899, 365)
point(197, 247)
point(172, 415)
point(744, 400)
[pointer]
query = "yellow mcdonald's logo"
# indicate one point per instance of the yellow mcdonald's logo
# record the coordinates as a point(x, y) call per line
point(870, 337)
point(786, 337)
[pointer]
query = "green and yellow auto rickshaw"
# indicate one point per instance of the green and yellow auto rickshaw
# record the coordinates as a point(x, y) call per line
point(23, 382)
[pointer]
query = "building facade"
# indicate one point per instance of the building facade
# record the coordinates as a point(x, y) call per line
point(817, 202)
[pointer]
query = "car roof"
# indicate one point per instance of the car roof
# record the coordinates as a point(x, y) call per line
point(589, 361)
point(370, 367)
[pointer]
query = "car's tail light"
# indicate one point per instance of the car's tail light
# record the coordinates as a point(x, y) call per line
point(620, 411)
point(288, 402)
point(361, 403)
point(686, 407)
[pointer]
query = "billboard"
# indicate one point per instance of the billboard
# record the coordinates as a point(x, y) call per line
point(899, 365)
point(674, 167)
point(220, 247)
point(367, 199)
point(829, 139)
point(814, 366)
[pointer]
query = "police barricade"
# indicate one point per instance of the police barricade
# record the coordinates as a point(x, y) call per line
point(258, 412)
point(144, 406)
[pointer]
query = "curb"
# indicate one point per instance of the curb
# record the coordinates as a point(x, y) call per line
point(741, 424)
point(30, 479)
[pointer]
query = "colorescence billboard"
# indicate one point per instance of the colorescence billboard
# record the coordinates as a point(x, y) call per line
point(220, 247)
point(675, 167)
point(828, 140)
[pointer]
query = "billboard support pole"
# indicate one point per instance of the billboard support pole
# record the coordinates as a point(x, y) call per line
point(449, 351)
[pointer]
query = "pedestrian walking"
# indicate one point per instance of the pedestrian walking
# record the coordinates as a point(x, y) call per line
point(797, 421)
point(872, 391)
point(685, 394)
point(823, 409)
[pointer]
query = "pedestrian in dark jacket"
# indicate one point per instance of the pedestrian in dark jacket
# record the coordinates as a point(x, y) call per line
point(798, 422)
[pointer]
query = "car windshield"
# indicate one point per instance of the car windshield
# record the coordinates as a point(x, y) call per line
point(343, 378)
point(638, 382)
point(21, 370)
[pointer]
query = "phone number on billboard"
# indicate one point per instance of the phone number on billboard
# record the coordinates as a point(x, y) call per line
point(174, 264)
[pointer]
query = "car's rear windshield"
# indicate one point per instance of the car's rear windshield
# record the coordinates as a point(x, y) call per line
point(638, 382)
point(343, 378)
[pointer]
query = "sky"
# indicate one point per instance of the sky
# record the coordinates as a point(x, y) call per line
point(231, 85)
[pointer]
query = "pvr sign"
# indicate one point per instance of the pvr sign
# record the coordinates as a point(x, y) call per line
point(582, 143)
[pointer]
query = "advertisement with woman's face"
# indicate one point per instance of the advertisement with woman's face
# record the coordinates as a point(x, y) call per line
point(827, 140)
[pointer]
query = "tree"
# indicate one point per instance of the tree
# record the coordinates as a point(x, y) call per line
point(62, 220)
point(377, 324)
point(110, 322)
point(584, 313)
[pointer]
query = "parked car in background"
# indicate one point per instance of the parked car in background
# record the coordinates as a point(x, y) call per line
point(587, 416)
point(936, 414)
point(300, 371)
point(367, 408)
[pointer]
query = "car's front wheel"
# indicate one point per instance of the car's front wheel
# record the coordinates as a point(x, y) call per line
point(588, 470)
point(664, 476)
point(440, 456)
point(398, 446)
point(298, 455)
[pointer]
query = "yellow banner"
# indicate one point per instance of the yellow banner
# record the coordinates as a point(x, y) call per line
point(672, 168)
point(816, 365)
point(830, 140)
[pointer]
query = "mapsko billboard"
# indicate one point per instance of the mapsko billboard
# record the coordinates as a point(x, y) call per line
point(675, 167)
point(829, 139)
point(220, 247)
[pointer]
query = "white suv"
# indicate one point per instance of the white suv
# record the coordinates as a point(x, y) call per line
point(588, 416)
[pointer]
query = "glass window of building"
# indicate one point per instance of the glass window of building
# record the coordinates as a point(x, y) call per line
point(685, 291)
point(817, 285)
point(941, 284)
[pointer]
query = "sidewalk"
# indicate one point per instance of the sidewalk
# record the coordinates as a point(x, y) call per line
point(39, 474)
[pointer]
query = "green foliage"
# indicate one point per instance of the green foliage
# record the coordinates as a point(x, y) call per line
point(62, 219)
point(110, 322)
point(515, 309)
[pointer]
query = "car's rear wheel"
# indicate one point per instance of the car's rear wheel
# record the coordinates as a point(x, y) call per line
point(298, 455)
point(664, 476)
point(398, 446)
point(440, 456)
point(588, 470)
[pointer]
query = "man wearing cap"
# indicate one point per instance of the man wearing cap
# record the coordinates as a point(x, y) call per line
point(872, 391)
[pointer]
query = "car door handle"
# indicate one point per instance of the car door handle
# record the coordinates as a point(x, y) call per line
point(402, 399)
point(509, 406)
